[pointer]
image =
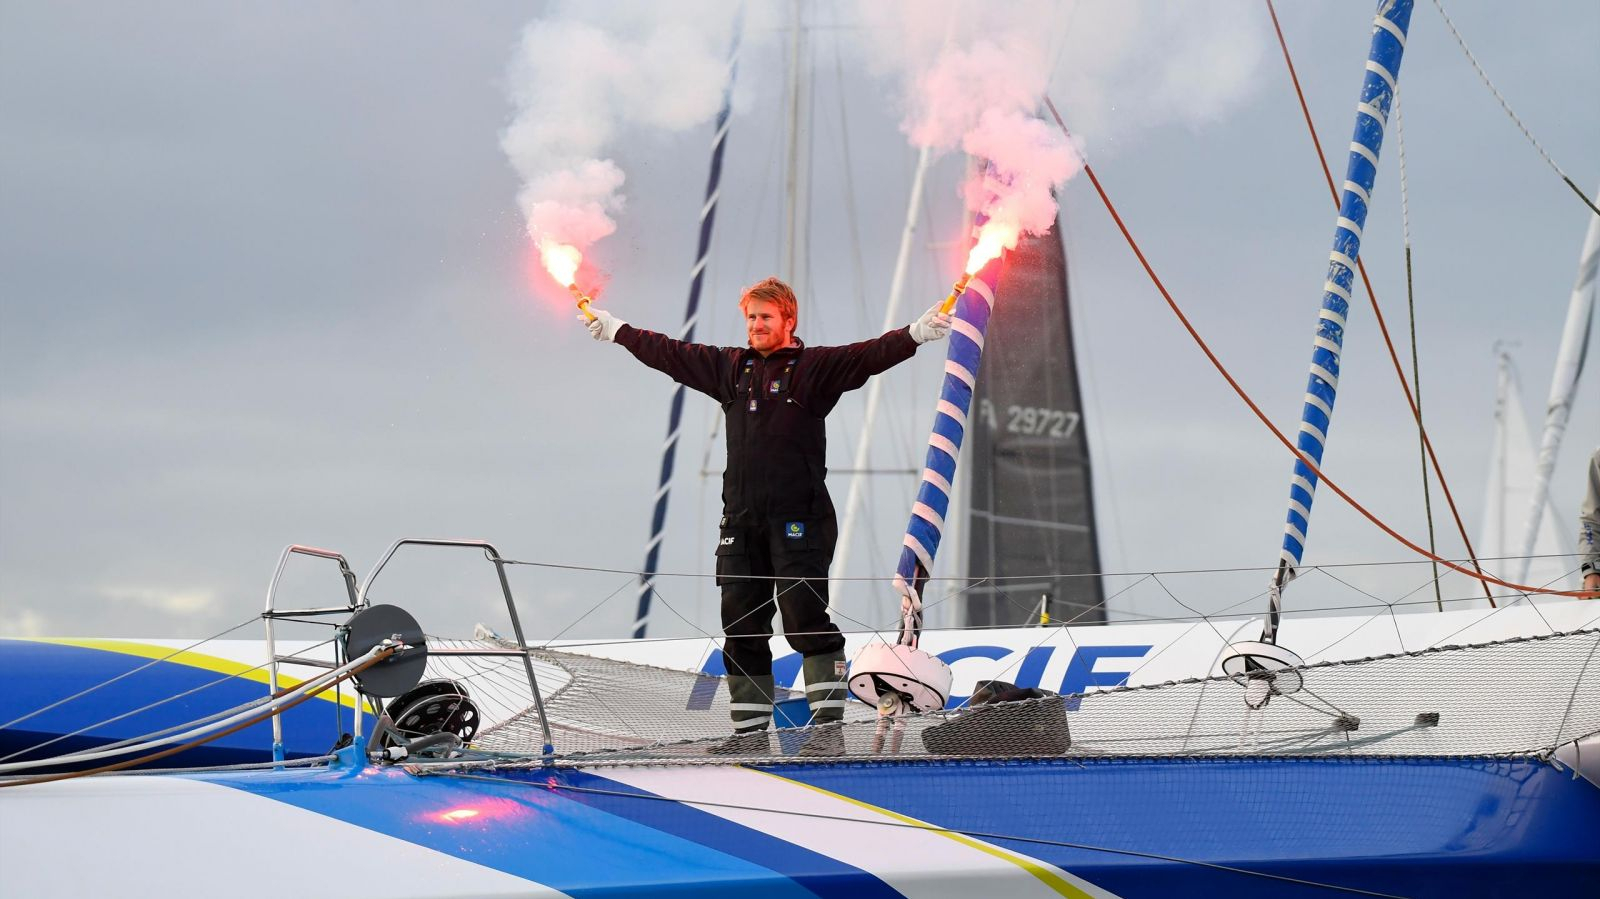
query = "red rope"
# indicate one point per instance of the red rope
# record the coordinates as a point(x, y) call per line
point(1222, 370)
point(1372, 297)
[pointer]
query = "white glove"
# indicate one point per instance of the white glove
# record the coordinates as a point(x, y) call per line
point(603, 326)
point(933, 325)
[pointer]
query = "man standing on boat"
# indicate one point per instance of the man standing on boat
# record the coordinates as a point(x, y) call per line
point(1589, 527)
point(778, 528)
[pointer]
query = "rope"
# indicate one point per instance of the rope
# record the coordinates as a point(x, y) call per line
point(1267, 422)
point(160, 702)
point(1416, 365)
point(105, 683)
point(194, 728)
point(1383, 327)
point(378, 656)
point(1484, 77)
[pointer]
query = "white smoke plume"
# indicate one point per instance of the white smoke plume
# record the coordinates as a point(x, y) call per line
point(577, 84)
point(974, 76)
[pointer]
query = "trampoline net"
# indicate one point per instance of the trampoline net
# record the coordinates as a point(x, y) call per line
point(1519, 697)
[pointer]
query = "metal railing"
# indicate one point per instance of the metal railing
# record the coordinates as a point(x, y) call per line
point(271, 613)
point(521, 649)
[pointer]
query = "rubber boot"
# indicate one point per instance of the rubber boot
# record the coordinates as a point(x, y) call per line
point(825, 692)
point(750, 707)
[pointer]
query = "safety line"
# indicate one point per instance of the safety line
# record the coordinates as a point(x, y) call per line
point(1012, 577)
point(378, 656)
point(1311, 465)
point(153, 661)
point(290, 684)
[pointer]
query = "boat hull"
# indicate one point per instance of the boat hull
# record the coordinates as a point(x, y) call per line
point(1129, 827)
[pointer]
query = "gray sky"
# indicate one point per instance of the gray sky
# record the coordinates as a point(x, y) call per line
point(263, 280)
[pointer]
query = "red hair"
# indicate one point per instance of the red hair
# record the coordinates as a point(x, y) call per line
point(773, 291)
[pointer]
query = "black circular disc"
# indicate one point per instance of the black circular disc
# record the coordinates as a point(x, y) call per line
point(401, 671)
point(435, 706)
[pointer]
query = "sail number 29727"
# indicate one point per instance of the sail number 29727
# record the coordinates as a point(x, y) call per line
point(1032, 421)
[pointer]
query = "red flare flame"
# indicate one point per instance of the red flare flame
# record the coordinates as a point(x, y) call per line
point(994, 238)
point(560, 260)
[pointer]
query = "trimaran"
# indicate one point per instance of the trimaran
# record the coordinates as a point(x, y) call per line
point(1417, 755)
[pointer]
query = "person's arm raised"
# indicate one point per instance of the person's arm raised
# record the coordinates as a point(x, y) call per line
point(707, 369)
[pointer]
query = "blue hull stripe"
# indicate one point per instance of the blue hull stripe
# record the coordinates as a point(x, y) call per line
point(37, 673)
point(580, 844)
point(1413, 827)
point(818, 873)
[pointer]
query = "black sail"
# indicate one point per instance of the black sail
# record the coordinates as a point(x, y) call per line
point(1031, 535)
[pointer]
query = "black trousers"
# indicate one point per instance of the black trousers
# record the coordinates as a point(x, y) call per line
point(780, 566)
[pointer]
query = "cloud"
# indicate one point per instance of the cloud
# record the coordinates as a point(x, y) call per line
point(23, 623)
point(172, 601)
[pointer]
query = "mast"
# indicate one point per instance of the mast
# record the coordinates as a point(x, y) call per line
point(795, 187)
point(891, 314)
point(926, 527)
point(901, 677)
point(1563, 385)
point(1493, 538)
point(1510, 489)
point(708, 217)
point(1361, 174)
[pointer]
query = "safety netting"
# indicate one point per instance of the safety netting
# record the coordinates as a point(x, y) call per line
point(1513, 698)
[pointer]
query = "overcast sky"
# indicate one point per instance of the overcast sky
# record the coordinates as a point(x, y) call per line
point(264, 280)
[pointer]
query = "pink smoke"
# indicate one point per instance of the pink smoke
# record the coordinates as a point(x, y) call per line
point(983, 98)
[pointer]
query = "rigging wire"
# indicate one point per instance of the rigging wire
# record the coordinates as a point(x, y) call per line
point(1416, 365)
point(194, 728)
point(1484, 77)
point(1267, 422)
point(1016, 577)
point(1384, 606)
point(129, 673)
point(1372, 297)
point(160, 702)
point(1143, 619)
point(378, 655)
point(1381, 605)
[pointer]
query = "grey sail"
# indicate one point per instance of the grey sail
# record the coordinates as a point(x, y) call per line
point(1031, 543)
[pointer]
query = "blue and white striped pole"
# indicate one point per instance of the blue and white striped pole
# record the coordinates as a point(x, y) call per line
point(708, 216)
point(926, 528)
point(1372, 114)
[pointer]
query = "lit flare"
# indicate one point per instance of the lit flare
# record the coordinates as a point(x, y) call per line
point(561, 261)
point(956, 291)
point(994, 238)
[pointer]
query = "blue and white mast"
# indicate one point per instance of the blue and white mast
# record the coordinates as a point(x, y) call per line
point(669, 451)
point(973, 307)
point(895, 677)
point(1361, 174)
point(1262, 667)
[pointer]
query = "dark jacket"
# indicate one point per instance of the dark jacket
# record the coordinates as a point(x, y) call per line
point(775, 406)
